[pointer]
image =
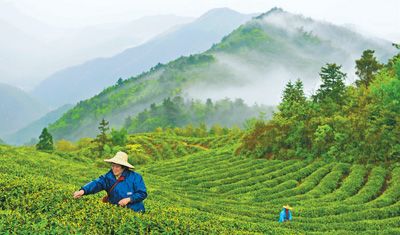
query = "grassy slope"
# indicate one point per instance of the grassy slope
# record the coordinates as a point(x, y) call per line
point(208, 190)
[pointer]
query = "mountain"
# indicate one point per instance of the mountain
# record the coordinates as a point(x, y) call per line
point(17, 108)
point(33, 130)
point(83, 81)
point(254, 62)
point(36, 49)
point(106, 40)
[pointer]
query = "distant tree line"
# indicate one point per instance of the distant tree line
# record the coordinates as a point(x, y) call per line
point(177, 112)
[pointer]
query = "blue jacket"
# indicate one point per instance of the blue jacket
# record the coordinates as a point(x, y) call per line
point(132, 186)
point(282, 216)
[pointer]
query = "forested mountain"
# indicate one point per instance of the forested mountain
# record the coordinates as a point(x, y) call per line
point(17, 108)
point(83, 81)
point(254, 62)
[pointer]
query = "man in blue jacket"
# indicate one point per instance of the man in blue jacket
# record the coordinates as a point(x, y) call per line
point(124, 187)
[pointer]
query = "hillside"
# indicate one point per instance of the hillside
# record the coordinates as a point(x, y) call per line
point(208, 190)
point(83, 81)
point(17, 108)
point(254, 63)
point(33, 130)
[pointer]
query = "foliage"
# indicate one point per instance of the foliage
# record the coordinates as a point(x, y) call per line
point(339, 123)
point(45, 141)
point(205, 190)
point(119, 137)
point(246, 36)
point(65, 146)
point(102, 139)
point(332, 87)
point(366, 68)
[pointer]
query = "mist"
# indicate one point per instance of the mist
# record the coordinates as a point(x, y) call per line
point(258, 77)
point(249, 81)
point(32, 50)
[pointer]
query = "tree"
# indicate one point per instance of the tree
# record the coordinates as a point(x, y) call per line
point(120, 82)
point(102, 139)
point(332, 87)
point(293, 98)
point(293, 93)
point(171, 111)
point(119, 137)
point(45, 141)
point(366, 68)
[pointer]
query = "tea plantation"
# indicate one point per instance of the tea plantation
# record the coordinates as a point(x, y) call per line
point(198, 186)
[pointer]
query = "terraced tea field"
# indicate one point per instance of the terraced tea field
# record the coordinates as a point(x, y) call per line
point(200, 186)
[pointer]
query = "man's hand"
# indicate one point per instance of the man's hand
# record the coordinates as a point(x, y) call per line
point(79, 193)
point(124, 202)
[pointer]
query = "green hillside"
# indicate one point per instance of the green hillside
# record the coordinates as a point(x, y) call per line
point(204, 188)
point(253, 63)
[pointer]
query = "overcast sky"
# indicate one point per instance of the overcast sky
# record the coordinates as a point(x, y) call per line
point(381, 18)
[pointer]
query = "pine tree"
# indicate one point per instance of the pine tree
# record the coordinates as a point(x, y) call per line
point(45, 141)
point(292, 98)
point(332, 88)
point(366, 68)
point(102, 139)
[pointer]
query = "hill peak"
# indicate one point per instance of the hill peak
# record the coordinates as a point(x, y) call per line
point(274, 10)
point(216, 12)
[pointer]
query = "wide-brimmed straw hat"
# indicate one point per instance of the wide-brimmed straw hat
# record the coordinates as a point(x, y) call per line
point(120, 158)
point(287, 207)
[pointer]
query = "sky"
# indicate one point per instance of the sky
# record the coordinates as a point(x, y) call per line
point(380, 18)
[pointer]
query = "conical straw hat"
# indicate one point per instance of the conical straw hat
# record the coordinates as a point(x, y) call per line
point(120, 158)
point(287, 207)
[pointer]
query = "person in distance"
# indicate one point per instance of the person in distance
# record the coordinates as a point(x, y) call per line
point(286, 214)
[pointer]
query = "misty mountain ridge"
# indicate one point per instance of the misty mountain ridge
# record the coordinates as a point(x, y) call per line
point(32, 130)
point(36, 50)
point(83, 81)
point(253, 62)
point(17, 108)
